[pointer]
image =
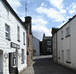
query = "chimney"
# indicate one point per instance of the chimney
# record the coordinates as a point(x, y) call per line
point(28, 23)
point(28, 19)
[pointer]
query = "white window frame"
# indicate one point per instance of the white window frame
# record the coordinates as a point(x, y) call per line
point(7, 31)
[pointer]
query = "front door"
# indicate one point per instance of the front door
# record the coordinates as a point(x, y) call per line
point(10, 62)
point(1, 62)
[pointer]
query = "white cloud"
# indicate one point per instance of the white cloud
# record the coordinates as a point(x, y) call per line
point(51, 13)
point(39, 21)
point(63, 11)
point(14, 3)
point(43, 4)
point(57, 3)
point(72, 8)
point(39, 28)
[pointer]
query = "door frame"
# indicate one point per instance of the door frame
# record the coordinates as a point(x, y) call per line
point(1, 57)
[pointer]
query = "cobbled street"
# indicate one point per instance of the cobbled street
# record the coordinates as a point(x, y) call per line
point(46, 66)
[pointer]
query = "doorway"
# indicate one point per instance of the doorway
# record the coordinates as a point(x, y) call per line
point(62, 56)
point(1, 62)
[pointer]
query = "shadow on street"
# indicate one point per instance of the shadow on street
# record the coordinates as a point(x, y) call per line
point(46, 66)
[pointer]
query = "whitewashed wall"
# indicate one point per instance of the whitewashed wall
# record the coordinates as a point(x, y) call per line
point(36, 46)
point(7, 17)
point(67, 43)
point(73, 42)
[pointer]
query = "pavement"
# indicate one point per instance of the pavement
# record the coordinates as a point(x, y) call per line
point(45, 65)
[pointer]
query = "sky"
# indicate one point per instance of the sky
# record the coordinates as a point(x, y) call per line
point(45, 13)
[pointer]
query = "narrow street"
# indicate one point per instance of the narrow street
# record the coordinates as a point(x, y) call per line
point(46, 66)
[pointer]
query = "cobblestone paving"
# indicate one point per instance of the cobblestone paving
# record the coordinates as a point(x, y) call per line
point(46, 66)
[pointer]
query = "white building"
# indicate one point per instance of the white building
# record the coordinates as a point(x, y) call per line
point(36, 46)
point(12, 40)
point(65, 41)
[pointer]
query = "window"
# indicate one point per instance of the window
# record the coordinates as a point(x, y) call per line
point(62, 35)
point(24, 38)
point(68, 60)
point(14, 59)
point(18, 33)
point(67, 31)
point(22, 56)
point(48, 49)
point(7, 31)
point(48, 42)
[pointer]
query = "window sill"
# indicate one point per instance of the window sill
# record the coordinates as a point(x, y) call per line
point(24, 44)
point(68, 62)
point(62, 38)
point(8, 39)
point(67, 35)
point(22, 63)
point(18, 40)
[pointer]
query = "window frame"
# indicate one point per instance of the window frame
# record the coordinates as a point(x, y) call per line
point(62, 35)
point(48, 42)
point(7, 32)
point(68, 32)
point(18, 33)
point(24, 38)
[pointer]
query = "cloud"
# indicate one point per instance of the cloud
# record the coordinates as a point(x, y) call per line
point(72, 8)
point(51, 13)
point(14, 3)
point(39, 28)
point(43, 4)
point(57, 3)
point(39, 21)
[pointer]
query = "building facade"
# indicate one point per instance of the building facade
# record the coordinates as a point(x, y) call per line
point(66, 40)
point(46, 45)
point(13, 42)
point(36, 46)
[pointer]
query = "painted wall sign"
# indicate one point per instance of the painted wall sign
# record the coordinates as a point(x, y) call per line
point(14, 45)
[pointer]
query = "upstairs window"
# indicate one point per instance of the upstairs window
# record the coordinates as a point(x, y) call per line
point(67, 31)
point(48, 49)
point(7, 31)
point(48, 42)
point(62, 35)
point(18, 33)
point(24, 38)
